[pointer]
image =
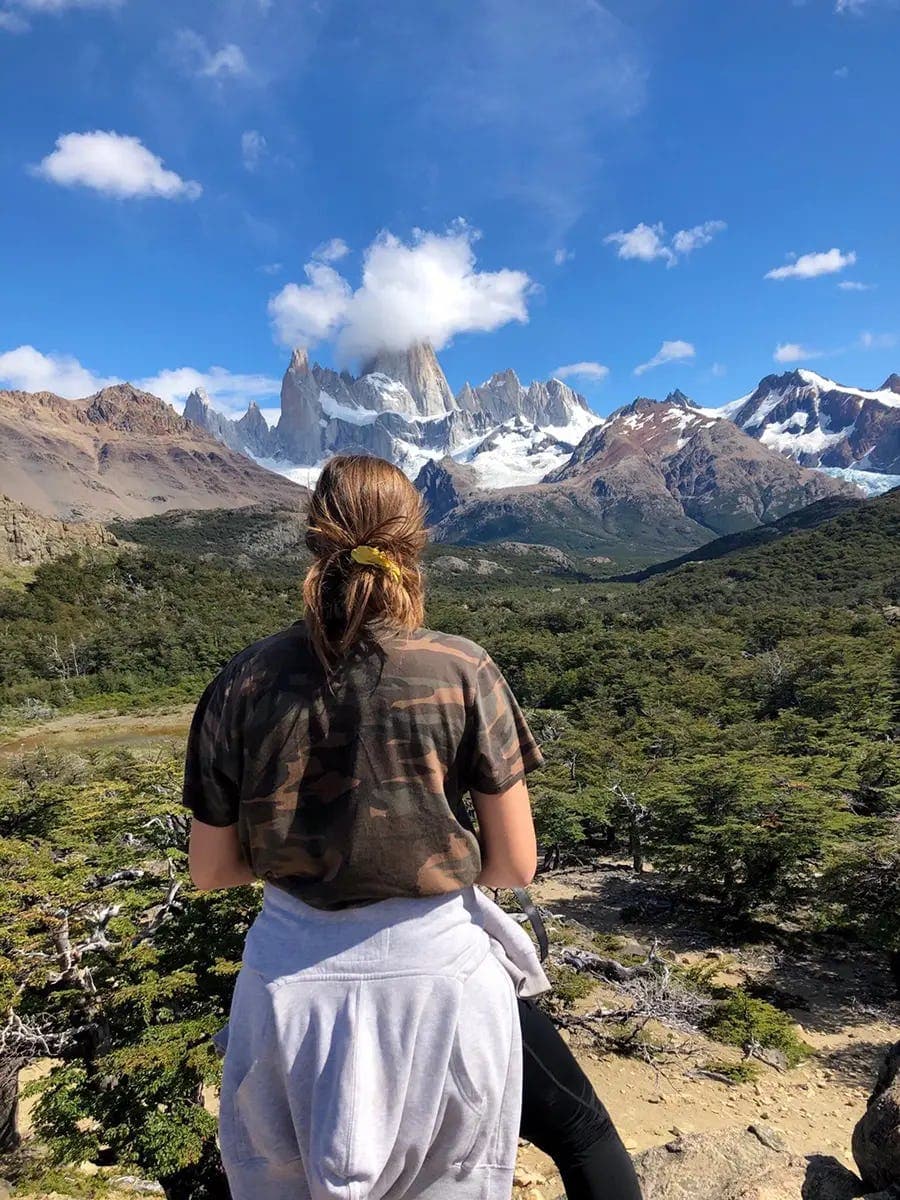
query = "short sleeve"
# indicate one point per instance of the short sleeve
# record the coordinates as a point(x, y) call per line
point(502, 747)
point(211, 789)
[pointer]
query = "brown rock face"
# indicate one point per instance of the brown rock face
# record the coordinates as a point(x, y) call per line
point(121, 453)
point(876, 1138)
point(27, 538)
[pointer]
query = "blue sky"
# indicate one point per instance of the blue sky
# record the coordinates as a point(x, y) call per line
point(533, 183)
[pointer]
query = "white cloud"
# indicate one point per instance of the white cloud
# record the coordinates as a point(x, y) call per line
point(305, 313)
point(841, 72)
point(650, 242)
point(331, 251)
point(717, 370)
point(114, 164)
point(229, 392)
point(427, 290)
point(29, 370)
point(193, 53)
point(809, 266)
point(11, 22)
point(644, 242)
point(686, 241)
point(668, 352)
point(582, 370)
point(562, 255)
point(877, 341)
point(253, 148)
point(792, 352)
point(853, 285)
point(271, 268)
point(854, 7)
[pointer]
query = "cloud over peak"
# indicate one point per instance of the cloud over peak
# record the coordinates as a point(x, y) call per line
point(675, 351)
point(793, 352)
point(582, 370)
point(426, 290)
point(650, 242)
point(809, 266)
point(114, 164)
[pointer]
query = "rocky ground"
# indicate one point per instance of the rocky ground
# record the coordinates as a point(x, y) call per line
point(785, 1134)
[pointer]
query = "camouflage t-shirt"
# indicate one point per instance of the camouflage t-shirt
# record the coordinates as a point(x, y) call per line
point(352, 790)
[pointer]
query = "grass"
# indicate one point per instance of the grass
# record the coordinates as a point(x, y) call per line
point(743, 1021)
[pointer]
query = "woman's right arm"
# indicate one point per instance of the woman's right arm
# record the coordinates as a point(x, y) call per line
point(506, 833)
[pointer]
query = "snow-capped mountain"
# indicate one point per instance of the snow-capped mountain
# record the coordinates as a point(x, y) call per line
point(654, 475)
point(401, 408)
point(824, 424)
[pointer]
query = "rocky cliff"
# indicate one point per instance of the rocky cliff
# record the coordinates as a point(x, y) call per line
point(27, 538)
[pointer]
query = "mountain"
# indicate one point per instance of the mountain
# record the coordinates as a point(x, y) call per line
point(28, 538)
point(401, 408)
point(121, 452)
point(654, 475)
point(821, 423)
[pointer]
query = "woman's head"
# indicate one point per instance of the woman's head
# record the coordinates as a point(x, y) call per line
point(362, 501)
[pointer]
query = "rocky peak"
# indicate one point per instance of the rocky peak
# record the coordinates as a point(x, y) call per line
point(420, 373)
point(444, 484)
point(299, 364)
point(196, 406)
point(891, 384)
point(125, 408)
point(679, 398)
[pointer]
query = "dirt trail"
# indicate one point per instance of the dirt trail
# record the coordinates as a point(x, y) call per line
point(843, 1007)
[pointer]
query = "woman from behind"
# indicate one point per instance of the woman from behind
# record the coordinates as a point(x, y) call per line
point(373, 1048)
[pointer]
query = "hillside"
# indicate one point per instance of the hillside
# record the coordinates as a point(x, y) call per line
point(851, 559)
point(121, 453)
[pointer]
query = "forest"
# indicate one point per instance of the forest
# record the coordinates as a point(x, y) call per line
point(731, 725)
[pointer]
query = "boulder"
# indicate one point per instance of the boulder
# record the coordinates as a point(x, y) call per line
point(876, 1138)
point(740, 1164)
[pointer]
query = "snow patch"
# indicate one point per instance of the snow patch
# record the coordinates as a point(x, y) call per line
point(344, 412)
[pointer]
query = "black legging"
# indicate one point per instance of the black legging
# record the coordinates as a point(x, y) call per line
point(563, 1116)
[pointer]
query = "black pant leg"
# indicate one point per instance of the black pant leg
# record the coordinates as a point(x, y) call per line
point(563, 1116)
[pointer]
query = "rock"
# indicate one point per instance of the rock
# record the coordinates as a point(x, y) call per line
point(28, 538)
point(5, 1189)
point(133, 1183)
point(876, 1138)
point(767, 1136)
point(735, 1164)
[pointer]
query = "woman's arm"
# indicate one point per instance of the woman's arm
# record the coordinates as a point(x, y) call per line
point(215, 857)
point(506, 833)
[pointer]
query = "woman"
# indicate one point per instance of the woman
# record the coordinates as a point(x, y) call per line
point(373, 1045)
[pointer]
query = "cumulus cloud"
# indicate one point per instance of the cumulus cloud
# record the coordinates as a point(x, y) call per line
point(675, 351)
point(26, 369)
point(582, 370)
point(114, 164)
point(195, 56)
point(854, 285)
point(650, 242)
point(426, 290)
point(253, 148)
point(331, 251)
point(809, 266)
point(29, 370)
point(793, 352)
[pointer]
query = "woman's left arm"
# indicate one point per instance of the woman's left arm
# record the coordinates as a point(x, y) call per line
point(215, 857)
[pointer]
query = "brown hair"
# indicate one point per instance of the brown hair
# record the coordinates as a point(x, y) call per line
point(362, 501)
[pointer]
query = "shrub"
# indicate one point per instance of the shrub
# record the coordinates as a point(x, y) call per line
point(743, 1021)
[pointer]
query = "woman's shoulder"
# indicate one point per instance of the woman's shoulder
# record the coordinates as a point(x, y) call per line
point(459, 650)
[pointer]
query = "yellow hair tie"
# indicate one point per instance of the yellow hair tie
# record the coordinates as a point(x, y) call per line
point(371, 556)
